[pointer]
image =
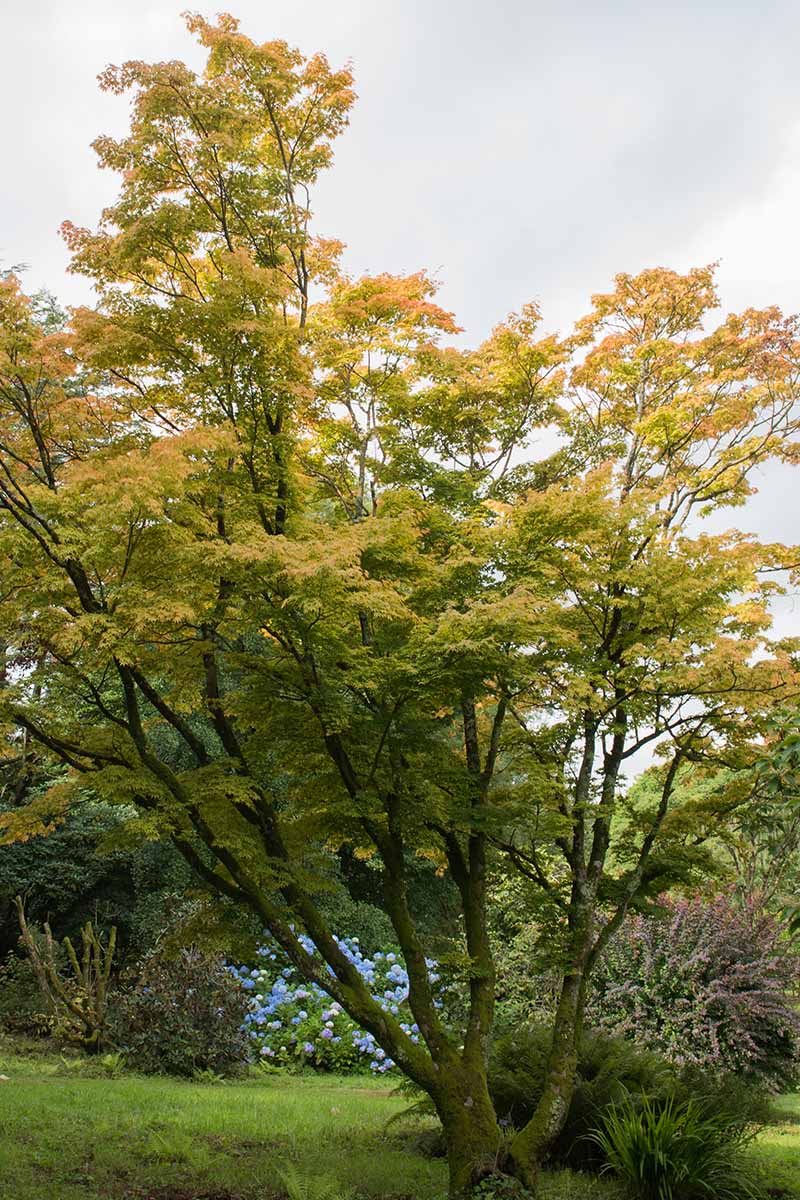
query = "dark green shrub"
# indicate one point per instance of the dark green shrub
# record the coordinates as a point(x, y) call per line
point(183, 1015)
point(23, 1009)
point(609, 1069)
point(675, 1150)
point(740, 1102)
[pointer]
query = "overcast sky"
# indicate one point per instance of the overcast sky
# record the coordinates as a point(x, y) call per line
point(518, 149)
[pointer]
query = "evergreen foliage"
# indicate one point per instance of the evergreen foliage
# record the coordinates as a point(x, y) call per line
point(181, 1015)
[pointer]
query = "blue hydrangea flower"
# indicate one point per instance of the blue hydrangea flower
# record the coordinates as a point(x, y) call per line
point(281, 992)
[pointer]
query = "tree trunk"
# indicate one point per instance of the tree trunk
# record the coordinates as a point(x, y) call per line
point(532, 1143)
point(472, 1135)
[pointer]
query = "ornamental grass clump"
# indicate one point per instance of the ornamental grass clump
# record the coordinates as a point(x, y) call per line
point(291, 1022)
point(675, 1151)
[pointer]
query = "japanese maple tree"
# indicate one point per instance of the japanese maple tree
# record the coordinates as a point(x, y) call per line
point(282, 567)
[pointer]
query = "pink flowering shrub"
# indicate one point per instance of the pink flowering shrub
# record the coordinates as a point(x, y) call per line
point(707, 984)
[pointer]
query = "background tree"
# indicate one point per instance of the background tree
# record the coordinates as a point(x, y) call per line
point(739, 826)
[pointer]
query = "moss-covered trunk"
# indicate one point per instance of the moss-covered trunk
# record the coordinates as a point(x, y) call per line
point(532, 1143)
point(472, 1135)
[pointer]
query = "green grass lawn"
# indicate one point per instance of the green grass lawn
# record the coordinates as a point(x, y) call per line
point(777, 1149)
point(67, 1132)
point(69, 1137)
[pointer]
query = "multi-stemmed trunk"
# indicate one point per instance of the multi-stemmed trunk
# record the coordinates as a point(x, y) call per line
point(472, 1134)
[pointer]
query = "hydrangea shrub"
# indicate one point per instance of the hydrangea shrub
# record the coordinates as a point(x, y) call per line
point(708, 984)
point(293, 1022)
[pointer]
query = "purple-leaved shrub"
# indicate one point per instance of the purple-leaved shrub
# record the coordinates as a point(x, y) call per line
point(709, 983)
point(182, 1015)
